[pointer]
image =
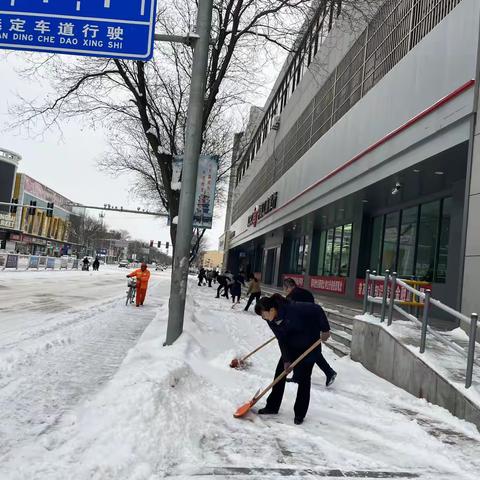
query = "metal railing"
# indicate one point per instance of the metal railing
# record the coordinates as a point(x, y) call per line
point(17, 261)
point(421, 299)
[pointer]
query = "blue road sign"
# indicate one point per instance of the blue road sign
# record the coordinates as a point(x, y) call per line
point(99, 28)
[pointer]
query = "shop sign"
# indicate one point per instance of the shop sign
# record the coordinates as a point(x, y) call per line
point(261, 210)
point(40, 191)
point(401, 292)
point(299, 279)
point(329, 284)
point(12, 261)
point(7, 220)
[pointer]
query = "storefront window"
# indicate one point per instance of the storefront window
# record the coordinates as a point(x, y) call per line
point(321, 252)
point(328, 252)
point(377, 241)
point(346, 249)
point(334, 253)
point(427, 240)
point(408, 236)
point(390, 241)
point(441, 270)
point(414, 241)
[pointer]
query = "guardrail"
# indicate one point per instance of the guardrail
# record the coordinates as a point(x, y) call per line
point(17, 261)
point(419, 299)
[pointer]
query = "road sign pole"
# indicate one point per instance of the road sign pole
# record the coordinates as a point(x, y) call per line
point(193, 143)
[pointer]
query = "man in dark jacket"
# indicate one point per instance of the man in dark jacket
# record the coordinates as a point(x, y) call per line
point(222, 285)
point(298, 294)
point(297, 326)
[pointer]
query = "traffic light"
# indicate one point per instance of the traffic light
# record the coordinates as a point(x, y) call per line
point(159, 244)
point(50, 209)
point(167, 245)
point(13, 208)
point(32, 209)
point(151, 243)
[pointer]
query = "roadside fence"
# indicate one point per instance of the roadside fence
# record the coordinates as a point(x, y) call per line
point(17, 261)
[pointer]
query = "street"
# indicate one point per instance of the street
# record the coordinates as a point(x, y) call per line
point(88, 391)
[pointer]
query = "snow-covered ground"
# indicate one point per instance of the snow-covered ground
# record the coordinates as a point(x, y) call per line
point(85, 395)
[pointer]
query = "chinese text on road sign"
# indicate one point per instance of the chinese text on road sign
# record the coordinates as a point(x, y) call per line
point(105, 28)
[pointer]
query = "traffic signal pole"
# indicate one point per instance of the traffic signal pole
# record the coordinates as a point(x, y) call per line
point(193, 143)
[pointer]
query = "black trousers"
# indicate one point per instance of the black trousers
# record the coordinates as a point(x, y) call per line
point(303, 375)
point(253, 296)
point(209, 280)
point(324, 366)
point(219, 289)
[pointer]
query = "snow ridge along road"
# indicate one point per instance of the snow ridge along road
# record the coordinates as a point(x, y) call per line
point(62, 336)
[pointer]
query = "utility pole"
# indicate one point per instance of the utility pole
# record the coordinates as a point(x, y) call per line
point(193, 143)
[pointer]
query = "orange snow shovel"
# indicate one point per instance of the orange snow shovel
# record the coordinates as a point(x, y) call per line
point(240, 362)
point(245, 408)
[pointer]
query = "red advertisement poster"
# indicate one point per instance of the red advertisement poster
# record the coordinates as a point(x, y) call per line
point(401, 292)
point(329, 284)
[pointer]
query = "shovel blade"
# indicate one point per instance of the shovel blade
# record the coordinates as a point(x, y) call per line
point(243, 410)
point(236, 363)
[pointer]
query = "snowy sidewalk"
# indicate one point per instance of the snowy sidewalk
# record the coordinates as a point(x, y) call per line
point(168, 413)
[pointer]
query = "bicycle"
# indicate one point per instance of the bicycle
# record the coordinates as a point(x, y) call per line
point(132, 288)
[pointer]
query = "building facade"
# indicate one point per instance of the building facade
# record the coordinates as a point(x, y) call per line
point(367, 156)
point(33, 230)
point(211, 259)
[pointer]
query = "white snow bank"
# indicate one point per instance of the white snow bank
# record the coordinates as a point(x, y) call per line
point(168, 411)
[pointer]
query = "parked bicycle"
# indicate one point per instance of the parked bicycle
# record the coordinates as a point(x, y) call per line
point(132, 289)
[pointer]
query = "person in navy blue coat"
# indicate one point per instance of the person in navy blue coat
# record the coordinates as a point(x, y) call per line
point(298, 294)
point(297, 327)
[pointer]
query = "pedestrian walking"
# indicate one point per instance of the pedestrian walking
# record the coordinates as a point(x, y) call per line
point(297, 326)
point(254, 291)
point(236, 286)
point(96, 264)
point(201, 276)
point(298, 294)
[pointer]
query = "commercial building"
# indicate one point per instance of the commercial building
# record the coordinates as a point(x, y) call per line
point(367, 155)
point(34, 230)
point(211, 259)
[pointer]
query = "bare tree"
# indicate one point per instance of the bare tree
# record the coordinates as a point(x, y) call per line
point(144, 105)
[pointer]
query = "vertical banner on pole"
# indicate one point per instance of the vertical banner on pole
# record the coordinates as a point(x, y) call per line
point(205, 193)
point(205, 190)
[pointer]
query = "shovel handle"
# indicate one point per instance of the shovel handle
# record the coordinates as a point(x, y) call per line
point(256, 398)
point(258, 348)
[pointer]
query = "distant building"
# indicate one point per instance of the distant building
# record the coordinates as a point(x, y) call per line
point(32, 230)
point(211, 259)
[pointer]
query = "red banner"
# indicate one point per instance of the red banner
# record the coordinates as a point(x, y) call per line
point(329, 284)
point(401, 292)
point(299, 279)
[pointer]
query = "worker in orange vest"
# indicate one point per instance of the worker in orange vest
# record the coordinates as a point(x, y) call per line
point(142, 275)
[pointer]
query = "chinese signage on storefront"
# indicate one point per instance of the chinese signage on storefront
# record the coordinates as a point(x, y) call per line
point(401, 292)
point(108, 28)
point(40, 191)
point(261, 210)
point(329, 284)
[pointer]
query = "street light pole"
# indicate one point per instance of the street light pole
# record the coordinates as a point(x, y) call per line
point(193, 143)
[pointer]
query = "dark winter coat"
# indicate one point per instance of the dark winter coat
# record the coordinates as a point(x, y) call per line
point(298, 327)
point(236, 287)
point(299, 294)
point(222, 279)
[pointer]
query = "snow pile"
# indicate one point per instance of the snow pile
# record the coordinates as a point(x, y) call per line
point(168, 412)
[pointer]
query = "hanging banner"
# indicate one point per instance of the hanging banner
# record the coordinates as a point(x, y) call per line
point(206, 188)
